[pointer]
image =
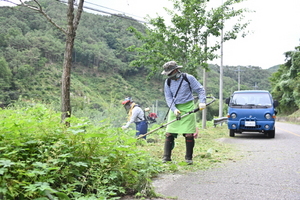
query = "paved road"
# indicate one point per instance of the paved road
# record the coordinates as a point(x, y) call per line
point(269, 171)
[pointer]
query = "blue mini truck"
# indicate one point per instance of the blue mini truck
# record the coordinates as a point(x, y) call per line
point(251, 111)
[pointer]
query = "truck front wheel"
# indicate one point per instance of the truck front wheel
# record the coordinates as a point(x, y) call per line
point(231, 132)
point(271, 134)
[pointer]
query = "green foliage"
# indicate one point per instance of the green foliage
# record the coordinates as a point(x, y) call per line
point(286, 82)
point(101, 75)
point(28, 42)
point(5, 81)
point(186, 39)
point(40, 157)
point(5, 74)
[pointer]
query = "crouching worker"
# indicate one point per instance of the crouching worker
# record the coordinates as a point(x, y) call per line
point(179, 88)
point(136, 115)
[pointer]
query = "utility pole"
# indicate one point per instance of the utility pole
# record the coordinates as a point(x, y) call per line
point(221, 79)
point(239, 76)
point(255, 86)
point(221, 74)
point(204, 112)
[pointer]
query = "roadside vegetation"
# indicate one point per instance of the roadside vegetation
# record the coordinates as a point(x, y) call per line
point(93, 158)
point(31, 59)
point(294, 118)
point(43, 159)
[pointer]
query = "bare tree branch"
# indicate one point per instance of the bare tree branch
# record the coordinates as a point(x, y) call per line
point(40, 10)
point(78, 15)
point(70, 33)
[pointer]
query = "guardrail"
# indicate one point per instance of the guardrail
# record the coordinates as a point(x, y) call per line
point(220, 121)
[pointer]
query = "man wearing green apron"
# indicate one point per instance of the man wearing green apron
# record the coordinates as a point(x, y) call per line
point(179, 88)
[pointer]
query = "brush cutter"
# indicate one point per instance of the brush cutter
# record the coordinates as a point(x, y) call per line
point(186, 114)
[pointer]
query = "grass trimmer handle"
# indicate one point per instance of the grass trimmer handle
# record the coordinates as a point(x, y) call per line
point(188, 113)
point(207, 104)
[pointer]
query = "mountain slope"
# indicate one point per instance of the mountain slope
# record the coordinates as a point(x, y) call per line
point(31, 56)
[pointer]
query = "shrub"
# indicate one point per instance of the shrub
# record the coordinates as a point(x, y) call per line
point(41, 158)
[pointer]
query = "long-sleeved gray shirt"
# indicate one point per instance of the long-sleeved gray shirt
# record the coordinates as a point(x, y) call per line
point(184, 94)
point(137, 116)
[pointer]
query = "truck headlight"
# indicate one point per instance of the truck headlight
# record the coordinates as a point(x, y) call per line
point(233, 115)
point(268, 116)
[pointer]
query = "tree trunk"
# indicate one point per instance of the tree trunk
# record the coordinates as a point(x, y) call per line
point(66, 80)
point(66, 75)
point(70, 33)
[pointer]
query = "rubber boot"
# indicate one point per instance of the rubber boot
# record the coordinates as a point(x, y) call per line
point(169, 145)
point(189, 144)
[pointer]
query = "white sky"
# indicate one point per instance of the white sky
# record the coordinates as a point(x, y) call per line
point(275, 28)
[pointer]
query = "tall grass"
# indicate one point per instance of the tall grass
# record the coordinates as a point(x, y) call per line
point(40, 158)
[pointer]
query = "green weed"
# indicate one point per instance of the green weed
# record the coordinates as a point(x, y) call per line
point(42, 158)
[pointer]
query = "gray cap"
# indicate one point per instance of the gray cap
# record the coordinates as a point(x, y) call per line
point(169, 67)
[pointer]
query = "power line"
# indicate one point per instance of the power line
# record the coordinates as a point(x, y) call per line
point(117, 15)
point(97, 10)
point(9, 2)
point(113, 9)
point(106, 12)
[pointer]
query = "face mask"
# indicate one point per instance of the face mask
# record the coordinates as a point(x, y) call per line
point(127, 107)
point(175, 76)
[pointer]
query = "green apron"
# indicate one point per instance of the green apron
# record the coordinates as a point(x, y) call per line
point(186, 124)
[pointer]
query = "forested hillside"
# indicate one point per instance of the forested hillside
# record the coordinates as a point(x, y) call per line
point(31, 56)
point(94, 158)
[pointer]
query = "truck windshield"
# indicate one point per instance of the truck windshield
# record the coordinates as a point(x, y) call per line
point(253, 99)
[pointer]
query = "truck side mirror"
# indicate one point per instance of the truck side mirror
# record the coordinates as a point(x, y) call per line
point(227, 100)
point(275, 103)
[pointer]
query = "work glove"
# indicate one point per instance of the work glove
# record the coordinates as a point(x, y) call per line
point(177, 114)
point(196, 133)
point(202, 106)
